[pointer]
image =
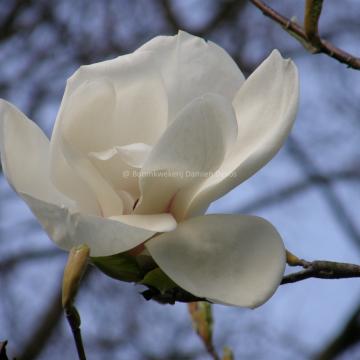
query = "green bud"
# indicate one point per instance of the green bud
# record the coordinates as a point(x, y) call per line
point(74, 270)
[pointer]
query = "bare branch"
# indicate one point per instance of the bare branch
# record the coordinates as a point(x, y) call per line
point(316, 179)
point(315, 44)
point(320, 269)
point(3, 355)
point(74, 270)
point(74, 321)
point(311, 20)
point(226, 11)
point(8, 27)
point(41, 334)
point(347, 337)
point(31, 255)
point(50, 320)
point(335, 204)
point(170, 15)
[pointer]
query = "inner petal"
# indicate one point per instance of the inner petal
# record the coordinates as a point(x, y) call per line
point(132, 154)
point(192, 147)
point(120, 166)
point(109, 201)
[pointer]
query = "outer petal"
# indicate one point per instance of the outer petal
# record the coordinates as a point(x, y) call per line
point(113, 103)
point(109, 104)
point(156, 222)
point(193, 145)
point(25, 156)
point(231, 259)
point(103, 236)
point(266, 107)
point(191, 67)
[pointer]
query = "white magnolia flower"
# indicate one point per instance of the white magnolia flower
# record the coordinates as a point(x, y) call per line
point(126, 128)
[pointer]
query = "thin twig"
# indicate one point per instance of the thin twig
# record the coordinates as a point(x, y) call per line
point(3, 355)
point(74, 321)
point(8, 263)
point(74, 270)
point(314, 45)
point(317, 179)
point(311, 20)
point(334, 202)
point(320, 269)
point(45, 327)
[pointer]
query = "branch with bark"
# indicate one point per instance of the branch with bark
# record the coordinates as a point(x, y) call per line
point(321, 269)
point(3, 355)
point(308, 35)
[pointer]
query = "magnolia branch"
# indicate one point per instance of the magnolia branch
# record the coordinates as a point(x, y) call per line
point(3, 355)
point(74, 321)
point(309, 36)
point(320, 269)
point(74, 271)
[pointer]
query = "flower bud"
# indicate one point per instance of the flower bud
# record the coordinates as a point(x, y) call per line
point(74, 270)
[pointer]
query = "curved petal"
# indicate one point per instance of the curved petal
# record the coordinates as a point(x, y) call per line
point(121, 165)
point(133, 155)
point(109, 104)
point(194, 145)
point(70, 183)
point(266, 107)
point(113, 103)
point(191, 67)
point(103, 236)
point(155, 222)
point(231, 259)
point(109, 201)
point(24, 152)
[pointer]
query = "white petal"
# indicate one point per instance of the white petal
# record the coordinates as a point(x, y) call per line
point(231, 259)
point(87, 117)
point(120, 166)
point(155, 222)
point(70, 183)
point(103, 236)
point(266, 107)
point(133, 154)
point(192, 67)
point(128, 201)
point(69, 180)
point(109, 201)
point(114, 103)
point(25, 156)
point(194, 144)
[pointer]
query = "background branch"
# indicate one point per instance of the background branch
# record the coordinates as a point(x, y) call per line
point(44, 330)
point(3, 355)
point(347, 337)
point(316, 179)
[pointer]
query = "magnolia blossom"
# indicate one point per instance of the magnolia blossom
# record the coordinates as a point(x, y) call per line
point(131, 142)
